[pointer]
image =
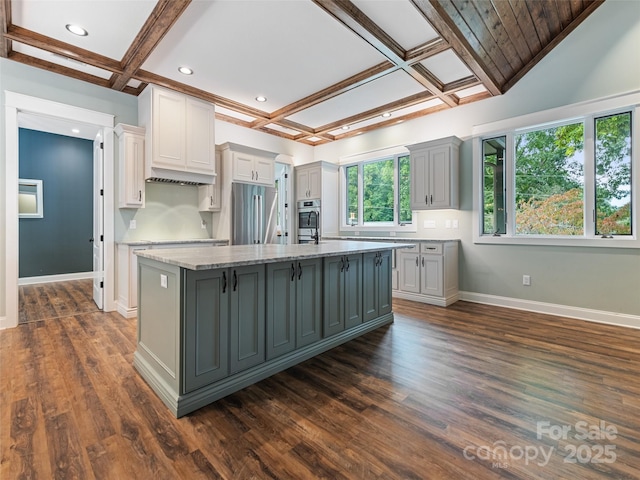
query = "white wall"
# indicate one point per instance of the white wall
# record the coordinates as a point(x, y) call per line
point(599, 59)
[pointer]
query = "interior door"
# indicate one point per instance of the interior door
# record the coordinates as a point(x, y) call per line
point(98, 223)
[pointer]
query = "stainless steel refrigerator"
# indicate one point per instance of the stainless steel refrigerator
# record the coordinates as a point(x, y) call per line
point(254, 214)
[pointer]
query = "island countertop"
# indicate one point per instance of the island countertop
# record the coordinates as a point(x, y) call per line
point(208, 258)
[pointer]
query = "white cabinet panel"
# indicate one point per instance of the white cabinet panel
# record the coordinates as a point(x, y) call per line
point(428, 273)
point(180, 143)
point(200, 141)
point(434, 174)
point(130, 166)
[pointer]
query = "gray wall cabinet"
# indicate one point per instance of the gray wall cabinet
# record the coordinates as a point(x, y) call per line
point(247, 330)
point(377, 284)
point(342, 293)
point(308, 302)
point(206, 328)
point(294, 292)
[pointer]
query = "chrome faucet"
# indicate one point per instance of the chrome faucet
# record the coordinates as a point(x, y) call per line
point(315, 237)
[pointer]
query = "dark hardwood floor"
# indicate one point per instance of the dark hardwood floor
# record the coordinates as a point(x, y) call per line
point(469, 391)
point(54, 300)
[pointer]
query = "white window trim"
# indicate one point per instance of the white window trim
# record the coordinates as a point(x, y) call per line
point(601, 107)
point(380, 155)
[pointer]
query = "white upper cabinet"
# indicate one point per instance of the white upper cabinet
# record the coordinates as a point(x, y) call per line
point(209, 196)
point(130, 166)
point(253, 167)
point(434, 174)
point(308, 183)
point(180, 143)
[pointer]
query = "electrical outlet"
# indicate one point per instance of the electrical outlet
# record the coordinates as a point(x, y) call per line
point(526, 280)
point(447, 224)
point(163, 281)
point(429, 224)
point(132, 224)
point(455, 223)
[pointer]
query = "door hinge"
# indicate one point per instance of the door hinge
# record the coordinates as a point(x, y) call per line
point(102, 238)
point(102, 145)
point(102, 192)
point(286, 175)
point(101, 284)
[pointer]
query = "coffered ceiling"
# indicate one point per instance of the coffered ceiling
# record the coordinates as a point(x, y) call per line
point(329, 69)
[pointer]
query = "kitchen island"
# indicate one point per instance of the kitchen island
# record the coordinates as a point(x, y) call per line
point(214, 320)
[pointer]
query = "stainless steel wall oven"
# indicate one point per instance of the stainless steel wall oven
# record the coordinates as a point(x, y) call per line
point(308, 221)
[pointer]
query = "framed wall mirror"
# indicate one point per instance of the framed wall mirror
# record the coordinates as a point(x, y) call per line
point(30, 198)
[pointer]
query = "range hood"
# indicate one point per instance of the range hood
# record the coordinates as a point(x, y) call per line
point(166, 175)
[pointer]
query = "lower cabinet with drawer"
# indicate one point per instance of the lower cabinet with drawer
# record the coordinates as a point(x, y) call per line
point(428, 273)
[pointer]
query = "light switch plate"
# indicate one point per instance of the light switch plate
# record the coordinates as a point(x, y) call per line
point(132, 225)
point(429, 224)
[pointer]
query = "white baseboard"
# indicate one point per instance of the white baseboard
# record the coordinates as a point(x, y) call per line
point(5, 323)
point(430, 299)
point(64, 277)
point(126, 312)
point(599, 316)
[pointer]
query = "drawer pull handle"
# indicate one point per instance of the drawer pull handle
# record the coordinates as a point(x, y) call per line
point(224, 282)
point(293, 272)
point(235, 281)
point(417, 262)
point(423, 261)
point(299, 271)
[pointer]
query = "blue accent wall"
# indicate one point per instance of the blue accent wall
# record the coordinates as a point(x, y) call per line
point(58, 243)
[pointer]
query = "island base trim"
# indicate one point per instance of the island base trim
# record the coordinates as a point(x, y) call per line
point(181, 405)
point(164, 391)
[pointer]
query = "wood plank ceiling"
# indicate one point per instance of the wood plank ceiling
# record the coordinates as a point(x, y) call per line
point(494, 43)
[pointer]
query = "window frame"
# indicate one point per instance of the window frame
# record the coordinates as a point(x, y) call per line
point(395, 225)
point(586, 112)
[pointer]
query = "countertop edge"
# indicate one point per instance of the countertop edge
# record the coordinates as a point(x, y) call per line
point(204, 258)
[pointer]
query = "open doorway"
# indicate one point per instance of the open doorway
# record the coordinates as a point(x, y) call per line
point(22, 111)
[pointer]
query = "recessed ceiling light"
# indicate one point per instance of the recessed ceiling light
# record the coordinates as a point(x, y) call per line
point(345, 127)
point(185, 70)
point(386, 115)
point(76, 30)
point(260, 98)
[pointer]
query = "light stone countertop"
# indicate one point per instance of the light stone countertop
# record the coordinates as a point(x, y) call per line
point(390, 239)
point(135, 243)
point(207, 258)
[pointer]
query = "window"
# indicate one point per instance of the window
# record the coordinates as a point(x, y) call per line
point(549, 174)
point(567, 180)
point(613, 174)
point(377, 193)
point(493, 186)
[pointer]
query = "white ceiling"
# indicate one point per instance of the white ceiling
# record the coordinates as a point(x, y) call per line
point(321, 64)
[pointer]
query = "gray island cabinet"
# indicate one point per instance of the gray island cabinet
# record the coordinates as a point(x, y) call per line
point(214, 320)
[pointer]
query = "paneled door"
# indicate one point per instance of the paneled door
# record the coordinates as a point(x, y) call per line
point(98, 223)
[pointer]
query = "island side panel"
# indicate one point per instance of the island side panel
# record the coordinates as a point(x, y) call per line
point(159, 315)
